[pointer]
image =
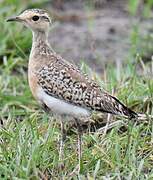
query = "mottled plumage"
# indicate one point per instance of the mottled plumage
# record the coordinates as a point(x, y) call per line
point(63, 80)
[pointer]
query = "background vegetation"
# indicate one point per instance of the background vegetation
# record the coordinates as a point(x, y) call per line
point(29, 137)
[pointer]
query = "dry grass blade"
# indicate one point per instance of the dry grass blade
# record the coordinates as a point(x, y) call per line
point(109, 126)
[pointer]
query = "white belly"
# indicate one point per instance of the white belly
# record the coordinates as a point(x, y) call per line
point(60, 107)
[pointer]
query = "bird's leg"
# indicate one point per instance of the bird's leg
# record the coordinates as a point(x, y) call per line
point(80, 131)
point(61, 149)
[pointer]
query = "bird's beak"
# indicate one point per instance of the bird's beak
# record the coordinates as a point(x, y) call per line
point(16, 18)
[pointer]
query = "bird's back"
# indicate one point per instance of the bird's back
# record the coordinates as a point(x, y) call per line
point(63, 80)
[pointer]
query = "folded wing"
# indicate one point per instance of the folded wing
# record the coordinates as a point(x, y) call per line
point(64, 81)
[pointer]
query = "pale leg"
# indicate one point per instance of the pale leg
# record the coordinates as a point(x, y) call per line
point(79, 128)
point(61, 148)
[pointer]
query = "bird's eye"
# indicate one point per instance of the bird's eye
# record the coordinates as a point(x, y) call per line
point(35, 18)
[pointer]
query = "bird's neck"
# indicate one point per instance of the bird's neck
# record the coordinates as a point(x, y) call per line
point(40, 45)
point(39, 38)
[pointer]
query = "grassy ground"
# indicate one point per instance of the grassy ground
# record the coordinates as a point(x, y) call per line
point(29, 138)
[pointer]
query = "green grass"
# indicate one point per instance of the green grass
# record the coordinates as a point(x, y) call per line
point(29, 137)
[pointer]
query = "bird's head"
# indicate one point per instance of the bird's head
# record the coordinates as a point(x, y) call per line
point(35, 19)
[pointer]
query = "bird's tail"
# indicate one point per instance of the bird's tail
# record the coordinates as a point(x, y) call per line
point(125, 111)
point(119, 108)
point(114, 106)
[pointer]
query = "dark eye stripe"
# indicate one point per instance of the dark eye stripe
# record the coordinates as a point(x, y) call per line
point(45, 18)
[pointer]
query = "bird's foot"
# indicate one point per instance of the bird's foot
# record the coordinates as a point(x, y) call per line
point(61, 166)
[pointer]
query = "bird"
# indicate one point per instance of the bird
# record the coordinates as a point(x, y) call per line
point(61, 87)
